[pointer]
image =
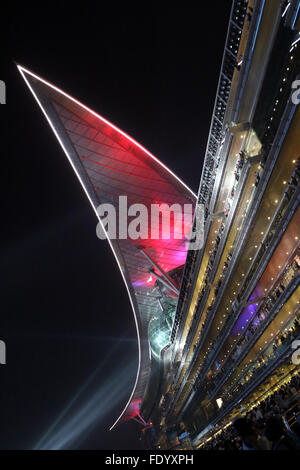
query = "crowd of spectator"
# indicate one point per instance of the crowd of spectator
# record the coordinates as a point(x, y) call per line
point(264, 360)
point(266, 426)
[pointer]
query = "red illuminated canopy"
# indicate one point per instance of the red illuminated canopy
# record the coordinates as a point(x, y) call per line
point(109, 164)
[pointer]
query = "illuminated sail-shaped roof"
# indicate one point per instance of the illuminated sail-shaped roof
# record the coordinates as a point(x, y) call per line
point(110, 164)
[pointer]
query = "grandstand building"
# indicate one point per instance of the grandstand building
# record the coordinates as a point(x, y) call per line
point(240, 294)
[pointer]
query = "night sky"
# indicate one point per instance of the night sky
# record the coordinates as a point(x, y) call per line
point(65, 314)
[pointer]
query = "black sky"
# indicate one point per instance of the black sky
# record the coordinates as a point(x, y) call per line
point(65, 314)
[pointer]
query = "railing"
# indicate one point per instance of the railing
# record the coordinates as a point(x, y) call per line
point(261, 373)
point(216, 134)
point(269, 165)
point(236, 310)
point(215, 257)
point(183, 304)
point(247, 344)
point(259, 269)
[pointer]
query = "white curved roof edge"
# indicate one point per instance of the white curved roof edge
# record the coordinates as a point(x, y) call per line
point(25, 71)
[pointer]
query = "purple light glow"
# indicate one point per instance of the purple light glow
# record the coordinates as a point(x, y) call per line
point(247, 314)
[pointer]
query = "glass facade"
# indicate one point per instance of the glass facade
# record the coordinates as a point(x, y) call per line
point(159, 329)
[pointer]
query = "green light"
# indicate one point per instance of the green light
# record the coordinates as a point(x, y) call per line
point(159, 330)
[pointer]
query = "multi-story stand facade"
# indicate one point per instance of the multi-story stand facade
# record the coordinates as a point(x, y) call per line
point(231, 342)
